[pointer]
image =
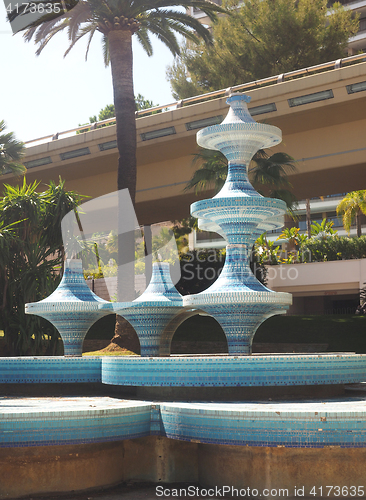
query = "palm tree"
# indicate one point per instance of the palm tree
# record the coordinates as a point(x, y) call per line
point(267, 173)
point(118, 21)
point(11, 152)
point(351, 208)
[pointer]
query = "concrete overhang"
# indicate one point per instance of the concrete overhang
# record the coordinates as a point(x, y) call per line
point(326, 137)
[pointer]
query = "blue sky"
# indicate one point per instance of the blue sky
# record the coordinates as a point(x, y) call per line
point(48, 94)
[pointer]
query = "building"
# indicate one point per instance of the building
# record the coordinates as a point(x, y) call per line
point(321, 115)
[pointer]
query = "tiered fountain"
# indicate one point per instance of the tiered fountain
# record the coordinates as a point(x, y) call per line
point(260, 445)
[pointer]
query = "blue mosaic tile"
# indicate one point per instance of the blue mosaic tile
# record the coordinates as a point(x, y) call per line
point(79, 420)
point(240, 371)
point(151, 313)
point(72, 308)
point(44, 369)
point(296, 424)
point(71, 420)
point(237, 300)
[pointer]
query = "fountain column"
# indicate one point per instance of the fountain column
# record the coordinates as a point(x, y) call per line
point(72, 308)
point(237, 300)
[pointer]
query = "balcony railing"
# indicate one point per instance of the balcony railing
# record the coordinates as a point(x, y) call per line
point(272, 80)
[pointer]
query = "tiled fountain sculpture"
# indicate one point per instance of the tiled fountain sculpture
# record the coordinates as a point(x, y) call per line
point(237, 300)
point(247, 441)
point(72, 308)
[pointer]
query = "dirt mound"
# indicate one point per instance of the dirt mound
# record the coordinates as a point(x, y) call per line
point(112, 347)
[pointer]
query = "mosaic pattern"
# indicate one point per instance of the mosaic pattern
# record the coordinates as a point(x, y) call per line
point(307, 424)
point(79, 420)
point(241, 371)
point(71, 420)
point(72, 308)
point(237, 300)
point(151, 313)
point(42, 369)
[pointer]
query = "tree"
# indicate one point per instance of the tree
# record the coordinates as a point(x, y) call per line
point(262, 38)
point(30, 261)
point(117, 21)
point(351, 208)
point(267, 173)
point(11, 152)
point(109, 112)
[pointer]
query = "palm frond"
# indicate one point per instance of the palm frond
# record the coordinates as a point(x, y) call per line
point(271, 170)
point(80, 14)
point(105, 46)
point(144, 39)
point(209, 8)
point(163, 32)
point(180, 22)
point(268, 172)
point(212, 171)
point(350, 207)
point(43, 42)
point(89, 28)
point(11, 152)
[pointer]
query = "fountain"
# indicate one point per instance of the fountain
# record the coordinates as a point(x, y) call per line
point(238, 301)
point(242, 424)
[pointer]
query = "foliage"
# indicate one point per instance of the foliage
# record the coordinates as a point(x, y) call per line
point(142, 103)
point(336, 248)
point(266, 250)
point(262, 38)
point(109, 112)
point(182, 229)
point(323, 246)
point(30, 262)
point(267, 173)
point(291, 235)
point(11, 152)
point(324, 229)
point(103, 248)
point(351, 207)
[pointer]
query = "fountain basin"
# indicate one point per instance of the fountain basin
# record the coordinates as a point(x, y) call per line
point(90, 442)
point(182, 371)
point(81, 420)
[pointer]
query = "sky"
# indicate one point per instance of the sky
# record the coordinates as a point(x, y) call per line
point(42, 95)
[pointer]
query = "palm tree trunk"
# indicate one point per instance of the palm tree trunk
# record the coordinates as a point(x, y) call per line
point(358, 223)
point(308, 218)
point(120, 47)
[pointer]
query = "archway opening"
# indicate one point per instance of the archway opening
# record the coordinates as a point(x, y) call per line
point(101, 333)
point(199, 334)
